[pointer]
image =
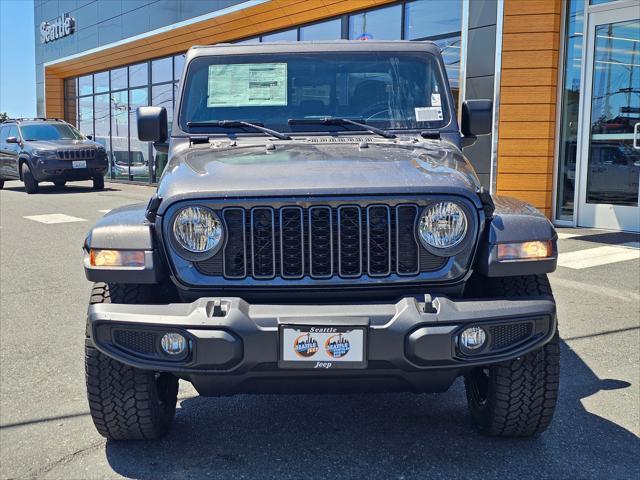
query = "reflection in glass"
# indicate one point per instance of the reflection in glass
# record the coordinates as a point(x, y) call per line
point(102, 122)
point(614, 166)
point(120, 135)
point(138, 151)
point(138, 75)
point(380, 24)
point(178, 65)
point(570, 106)
point(450, 48)
point(428, 18)
point(286, 36)
point(85, 115)
point(101, 82)
point(119, 78)
point(162, 70)
point(85, 85)
point(162, 96)
point(331, 30)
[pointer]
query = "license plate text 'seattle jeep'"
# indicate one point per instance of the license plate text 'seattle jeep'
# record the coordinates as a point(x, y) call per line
point(317, 228)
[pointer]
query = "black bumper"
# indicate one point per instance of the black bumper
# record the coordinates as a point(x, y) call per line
point(234, 346)
point(62, 170)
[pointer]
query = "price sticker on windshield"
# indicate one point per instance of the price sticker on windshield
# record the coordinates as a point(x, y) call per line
point(428, 114)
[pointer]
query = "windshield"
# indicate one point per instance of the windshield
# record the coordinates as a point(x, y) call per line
point(389, 90)
point(50, 131)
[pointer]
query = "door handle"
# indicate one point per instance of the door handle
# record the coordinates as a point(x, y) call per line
point(636, 127)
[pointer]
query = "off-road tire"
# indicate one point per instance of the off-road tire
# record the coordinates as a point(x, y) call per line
point(516, 398)
point(98, 183)
point(127, 403)
point(60, 183)
point(30, 184)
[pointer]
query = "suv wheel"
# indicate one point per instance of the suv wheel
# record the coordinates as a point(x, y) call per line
point(516, 398)
point(60, 183)
point(127, 403)
point(30, 184)
point(98, 182)
point(1, 184)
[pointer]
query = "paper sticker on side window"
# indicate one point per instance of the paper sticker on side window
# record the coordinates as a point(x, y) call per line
point(247, 84)
point(428, 114)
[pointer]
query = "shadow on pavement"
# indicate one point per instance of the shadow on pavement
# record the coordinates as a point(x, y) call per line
point(380, 436)
point(53, 190)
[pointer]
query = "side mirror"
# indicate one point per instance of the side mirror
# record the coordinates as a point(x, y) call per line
point(89, 137)
point(152, 124)
point(476, 119)
point(12, 140)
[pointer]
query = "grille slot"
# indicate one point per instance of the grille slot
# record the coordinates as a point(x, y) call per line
point(139, 342)
point(507, 335)
point(77, 154)
point(320, 242)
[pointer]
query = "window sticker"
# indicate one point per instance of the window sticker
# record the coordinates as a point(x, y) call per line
point(435, 100)
point(428, 114)
point(247, 85)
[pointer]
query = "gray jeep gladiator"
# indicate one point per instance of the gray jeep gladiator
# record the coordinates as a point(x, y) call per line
point(318, 229)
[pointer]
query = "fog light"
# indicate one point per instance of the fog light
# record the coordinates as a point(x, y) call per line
point(174, 343)
point(473, 338)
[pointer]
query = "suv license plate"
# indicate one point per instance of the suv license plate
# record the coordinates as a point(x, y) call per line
point(322, 348)
point(79, 164)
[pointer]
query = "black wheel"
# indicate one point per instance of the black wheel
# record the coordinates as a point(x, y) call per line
point(60, 183)
point(1, 184)
point(98, 182)
point(30, 184)
point(127, 403)
point(516, 398)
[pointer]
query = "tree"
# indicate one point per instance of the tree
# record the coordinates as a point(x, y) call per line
point(3, 116)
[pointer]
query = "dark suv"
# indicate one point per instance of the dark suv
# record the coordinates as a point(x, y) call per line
point(49, 150)
point(318, 229)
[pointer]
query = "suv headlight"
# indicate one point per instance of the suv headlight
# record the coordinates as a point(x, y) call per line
point(442, 226)
point(45, 153)
point(198, 232)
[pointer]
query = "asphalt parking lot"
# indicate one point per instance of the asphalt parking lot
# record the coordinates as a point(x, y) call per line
point(46, 432)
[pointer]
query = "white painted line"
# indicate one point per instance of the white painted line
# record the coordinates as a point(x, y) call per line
point(104, 211)
point(594, 257)
point(54, 218)
point(620, 294)
point(565, 236)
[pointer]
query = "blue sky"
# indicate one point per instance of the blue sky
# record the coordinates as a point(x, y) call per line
point(17, 58)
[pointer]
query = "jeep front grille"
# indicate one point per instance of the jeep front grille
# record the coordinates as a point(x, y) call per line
point(77, 154)
point(320, 242)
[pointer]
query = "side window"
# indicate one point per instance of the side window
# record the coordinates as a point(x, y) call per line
point(4, 133)
point(13, 132)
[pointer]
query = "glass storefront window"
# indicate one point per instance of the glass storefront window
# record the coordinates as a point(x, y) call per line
point(286, 36)
point(119, 78)
point(85, 117)
point(569, 110)
point(178, 65)
point(138, 75)
point(429, 18)
point(138, 151)
point(120, 135)
point(101, 82)
point(331, 30)
point(380, 24)
point(85, 85)
point(101, 120)
point(162, 70)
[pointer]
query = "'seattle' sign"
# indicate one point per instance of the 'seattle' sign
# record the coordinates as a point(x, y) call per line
point(61, 27)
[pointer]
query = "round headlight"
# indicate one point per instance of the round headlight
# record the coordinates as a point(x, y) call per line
point(197, 229)
point(442, 225)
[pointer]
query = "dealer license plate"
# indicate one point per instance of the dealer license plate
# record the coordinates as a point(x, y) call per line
point(320, 347)
point(79, 164)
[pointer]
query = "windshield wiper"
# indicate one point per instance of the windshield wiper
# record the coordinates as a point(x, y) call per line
point(238, 124)
point(340, 121)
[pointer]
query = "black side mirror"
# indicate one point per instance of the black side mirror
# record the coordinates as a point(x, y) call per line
point(476, 119)
point(152, 124)
point(89, 137)
point(12, 140)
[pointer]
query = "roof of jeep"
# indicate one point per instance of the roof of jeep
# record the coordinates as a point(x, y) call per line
point(314, 47)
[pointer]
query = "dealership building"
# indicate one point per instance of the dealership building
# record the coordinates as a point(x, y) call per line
point(564, 76)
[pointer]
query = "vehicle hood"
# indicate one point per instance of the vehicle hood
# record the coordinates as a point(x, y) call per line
point(61, 144)
point(305, 168)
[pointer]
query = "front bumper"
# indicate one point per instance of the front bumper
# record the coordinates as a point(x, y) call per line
point(234, 346)
point(50, 170)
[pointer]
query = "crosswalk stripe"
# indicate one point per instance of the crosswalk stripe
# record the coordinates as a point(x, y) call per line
point(53, 218)
point(565, 236)
point(593, 257)
point(104, 211)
